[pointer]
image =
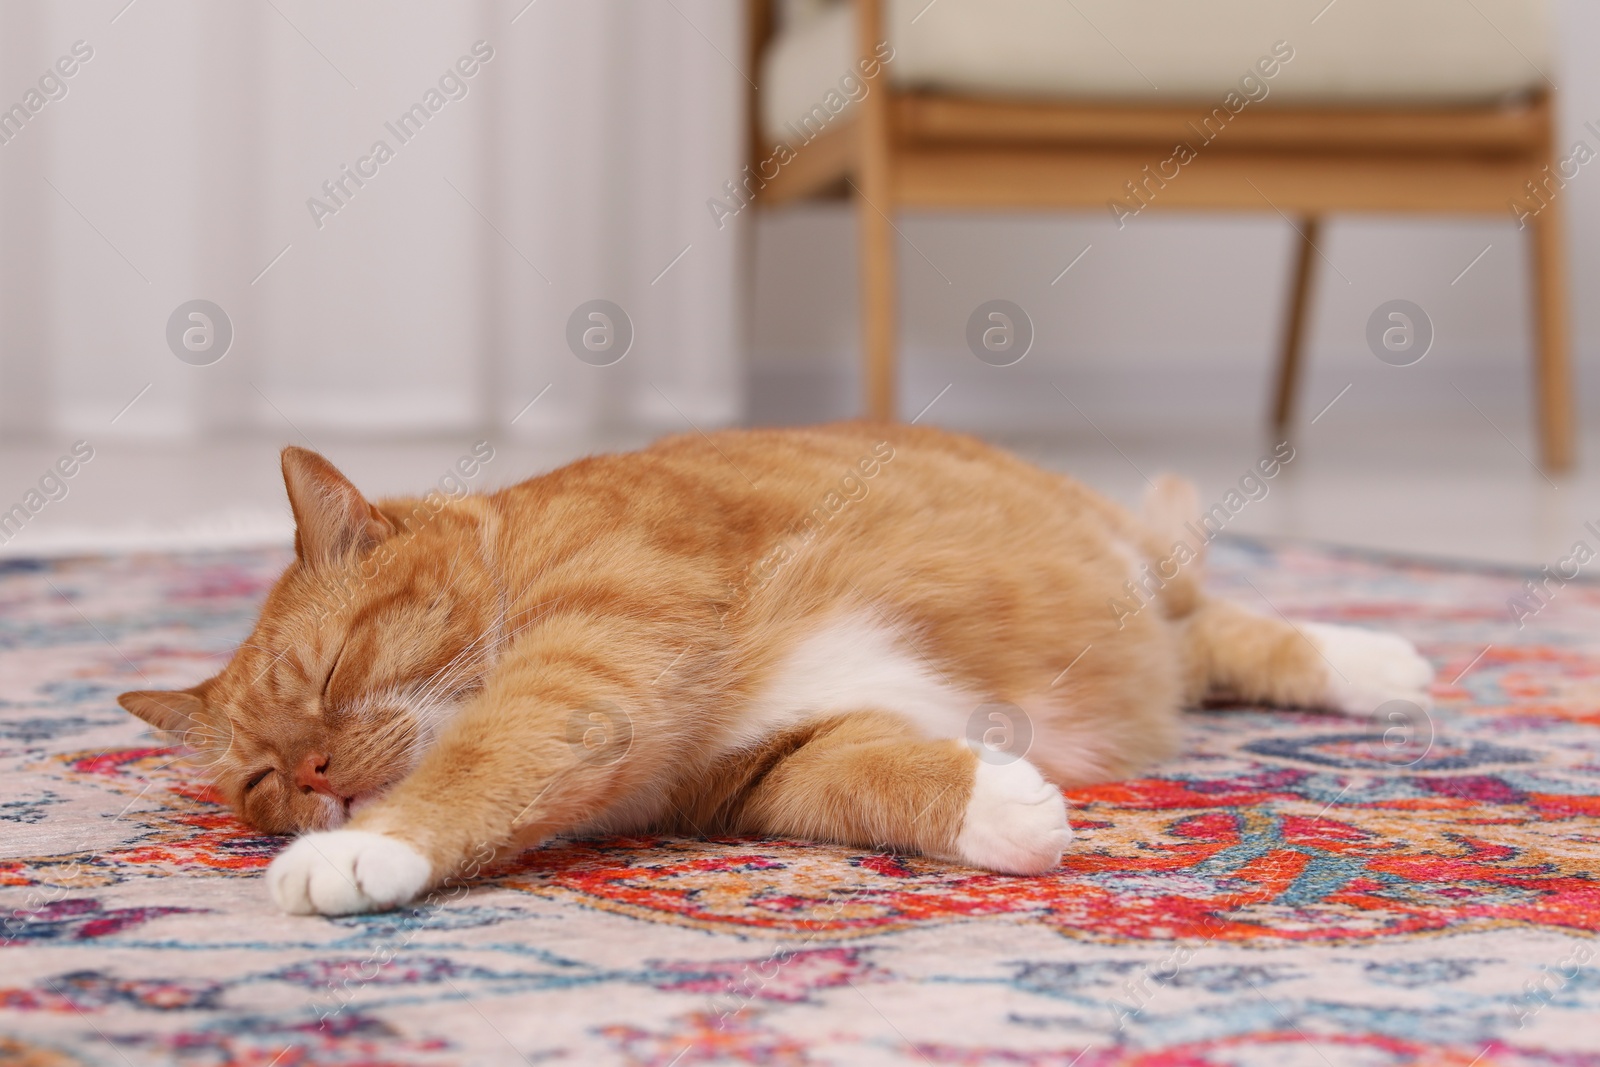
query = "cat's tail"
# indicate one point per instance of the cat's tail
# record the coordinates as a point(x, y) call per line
point(1170, 504)
point(1169, 515)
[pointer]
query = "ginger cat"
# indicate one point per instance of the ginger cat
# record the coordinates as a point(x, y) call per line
point(853, 633)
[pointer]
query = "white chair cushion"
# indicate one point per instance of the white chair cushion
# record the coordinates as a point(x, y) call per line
point(1356, 52)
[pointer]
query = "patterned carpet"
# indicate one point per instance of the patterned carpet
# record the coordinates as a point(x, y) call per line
point(1296, 889)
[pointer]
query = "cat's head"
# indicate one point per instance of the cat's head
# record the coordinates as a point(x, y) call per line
point(384, 624)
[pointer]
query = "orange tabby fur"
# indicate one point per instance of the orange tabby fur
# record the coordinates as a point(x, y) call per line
point(787, 632)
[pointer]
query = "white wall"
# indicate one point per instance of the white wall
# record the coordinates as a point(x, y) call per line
point(182, 163)
point(1178, 316)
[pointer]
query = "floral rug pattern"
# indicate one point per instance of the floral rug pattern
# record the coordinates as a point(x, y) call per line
point(1294, 889)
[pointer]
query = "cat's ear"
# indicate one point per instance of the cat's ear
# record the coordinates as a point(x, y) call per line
point(173, 711)
point(331, 517)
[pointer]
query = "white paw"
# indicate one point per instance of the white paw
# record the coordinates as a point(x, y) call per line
point(339, 872)
point(1370, 668)
point(1016, 822)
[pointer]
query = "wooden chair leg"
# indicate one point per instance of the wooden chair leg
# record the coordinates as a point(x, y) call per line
point(875, 234)
point(877, 254)
point(1292, 349)
point(1552, 355)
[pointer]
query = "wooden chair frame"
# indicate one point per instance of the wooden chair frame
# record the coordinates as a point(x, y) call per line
point(919, 150)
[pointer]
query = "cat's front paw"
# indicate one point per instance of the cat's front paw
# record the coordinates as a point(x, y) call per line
point(1015, 823)
point(341, 872)
point(1368, 668)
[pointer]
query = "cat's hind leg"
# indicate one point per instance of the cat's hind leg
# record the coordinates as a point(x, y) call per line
point(872, 780)
point(1231, 653)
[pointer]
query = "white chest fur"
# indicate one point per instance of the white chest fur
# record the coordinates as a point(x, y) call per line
point(853, 663)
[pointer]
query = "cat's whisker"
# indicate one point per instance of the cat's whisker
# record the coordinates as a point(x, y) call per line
point(463, 670)
point(444, 679)
point(441, 677)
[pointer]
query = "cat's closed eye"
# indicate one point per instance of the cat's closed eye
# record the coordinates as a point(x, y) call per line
point(332, 669)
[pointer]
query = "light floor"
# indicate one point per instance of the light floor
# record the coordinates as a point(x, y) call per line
point(1456, 490)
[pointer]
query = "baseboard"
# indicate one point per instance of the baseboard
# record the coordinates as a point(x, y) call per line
point(1200, 392)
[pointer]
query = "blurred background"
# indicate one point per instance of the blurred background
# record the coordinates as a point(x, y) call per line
point(392, 307)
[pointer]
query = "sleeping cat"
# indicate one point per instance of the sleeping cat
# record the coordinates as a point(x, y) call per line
point(880, 636)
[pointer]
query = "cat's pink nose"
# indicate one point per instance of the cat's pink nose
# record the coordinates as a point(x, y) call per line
point(312, 774)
